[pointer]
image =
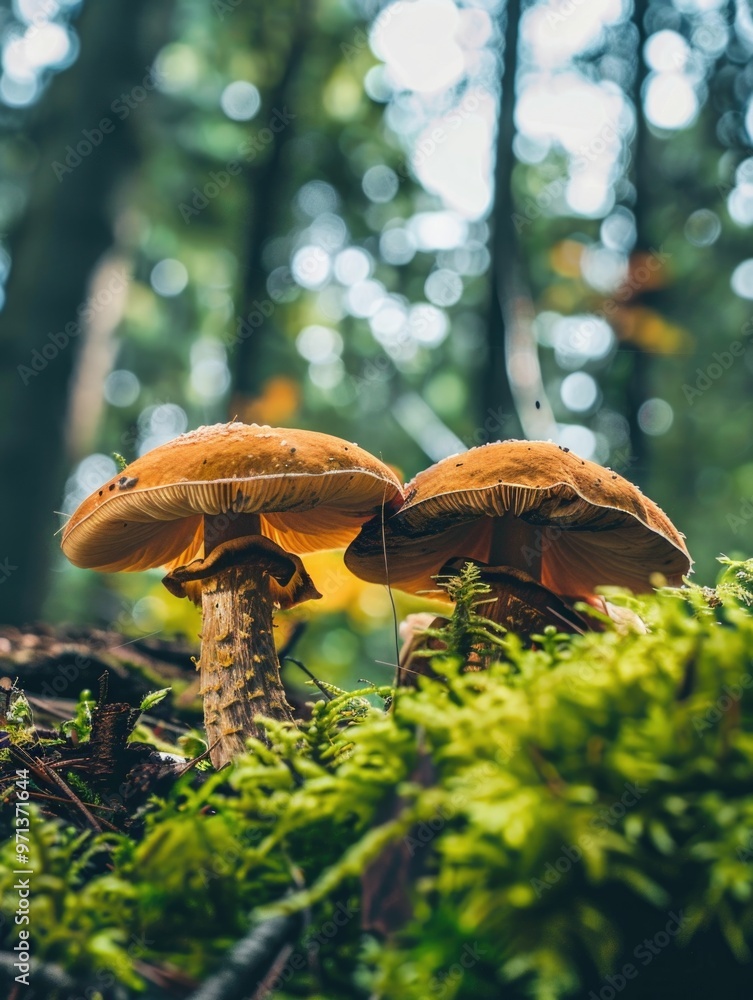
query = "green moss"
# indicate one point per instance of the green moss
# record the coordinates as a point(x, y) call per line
point(577, 795)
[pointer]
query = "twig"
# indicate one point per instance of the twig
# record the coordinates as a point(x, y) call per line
point(308, 673)
point(57, 798)
point(292, 641)
point(249, 963)
point(187, 767)
point(39, 767)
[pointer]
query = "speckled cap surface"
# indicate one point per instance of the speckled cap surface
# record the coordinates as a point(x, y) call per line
point(313, 491)
point(596, 528)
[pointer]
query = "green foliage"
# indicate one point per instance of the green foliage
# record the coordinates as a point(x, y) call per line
point(81, 723)
point(468, 630)
point(580, 797)
point(736, 581)
point(18, 718)
point(153, 698)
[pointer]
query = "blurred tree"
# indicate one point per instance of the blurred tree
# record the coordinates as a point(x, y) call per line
point(506, 269)
point(270, 189)
point(78, 169)
point(336, 273)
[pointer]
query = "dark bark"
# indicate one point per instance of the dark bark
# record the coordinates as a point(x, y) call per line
point(268, 187)
point(64, 232)
point(58, 663)
point(635, 389)
point(388, 882)
point(497, 392)
point(511, 309)
point(525, 606)
point(246, 967)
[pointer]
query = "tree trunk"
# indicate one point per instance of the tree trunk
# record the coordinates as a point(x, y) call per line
point(269, 193)
point(513, 383)
point(635, 390)
point(64, 232)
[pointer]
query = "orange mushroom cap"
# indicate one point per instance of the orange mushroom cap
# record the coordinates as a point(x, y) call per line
point(593, 527)
point(312, 491)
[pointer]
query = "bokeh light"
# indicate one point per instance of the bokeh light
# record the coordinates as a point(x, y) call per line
point(121, 388)
point(703, 228)
point(742, 279)
point(240, 100)
point(655, 417)
point(579, 392)
point(169, 277)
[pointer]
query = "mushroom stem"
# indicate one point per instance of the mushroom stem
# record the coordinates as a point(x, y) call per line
point(520, 603)
point(240, 671)
point(239, 584)
point(516, 543)
point(524, 606)
point(219, 528)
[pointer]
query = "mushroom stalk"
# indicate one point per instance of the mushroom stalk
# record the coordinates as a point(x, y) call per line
point(239, 583)
point(240, 671)
point(520, 603)
point(516, 543)
point(524, 606)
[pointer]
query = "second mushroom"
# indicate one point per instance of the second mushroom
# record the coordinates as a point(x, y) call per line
point(546, 527)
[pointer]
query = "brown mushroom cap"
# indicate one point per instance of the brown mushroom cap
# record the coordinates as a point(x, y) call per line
point(594, 527)
point(313, 491)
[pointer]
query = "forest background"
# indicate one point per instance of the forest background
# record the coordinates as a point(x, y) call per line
point(420, 225)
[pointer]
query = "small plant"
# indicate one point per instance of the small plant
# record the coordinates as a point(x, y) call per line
point(79, 727)
point(469, 632)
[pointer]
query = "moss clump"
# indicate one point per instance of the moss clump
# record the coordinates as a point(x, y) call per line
point(577, 817)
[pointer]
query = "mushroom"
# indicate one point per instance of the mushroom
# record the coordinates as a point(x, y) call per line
point(228, 510)
point(546, 526)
